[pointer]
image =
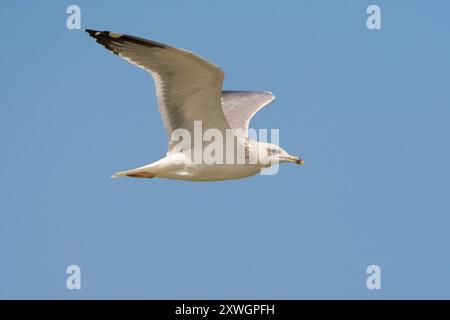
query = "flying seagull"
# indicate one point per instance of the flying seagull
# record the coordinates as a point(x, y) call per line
point(189, 93)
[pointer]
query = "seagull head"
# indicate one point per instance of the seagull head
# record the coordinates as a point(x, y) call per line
point(276, 154)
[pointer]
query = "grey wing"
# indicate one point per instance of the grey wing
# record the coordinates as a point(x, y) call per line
point(188, 88)
point(240, 106)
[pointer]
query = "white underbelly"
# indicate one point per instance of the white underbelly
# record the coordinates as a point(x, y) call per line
point(211, 172)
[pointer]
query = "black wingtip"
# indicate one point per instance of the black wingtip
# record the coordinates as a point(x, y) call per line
point(95, 33)
point(106, 38)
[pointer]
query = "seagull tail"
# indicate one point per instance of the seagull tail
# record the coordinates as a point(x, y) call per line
point(118, 175)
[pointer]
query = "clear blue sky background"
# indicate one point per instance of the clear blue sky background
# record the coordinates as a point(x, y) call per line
point(368, 110)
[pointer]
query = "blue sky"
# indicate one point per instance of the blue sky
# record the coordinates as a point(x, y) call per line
point(367, 110)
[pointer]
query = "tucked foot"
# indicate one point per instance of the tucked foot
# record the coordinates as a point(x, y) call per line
point(133, 174)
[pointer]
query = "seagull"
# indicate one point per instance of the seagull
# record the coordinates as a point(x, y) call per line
point(189, 92)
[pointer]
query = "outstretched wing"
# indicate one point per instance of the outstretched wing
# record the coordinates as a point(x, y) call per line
point(188, 88)
point(240, 106)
